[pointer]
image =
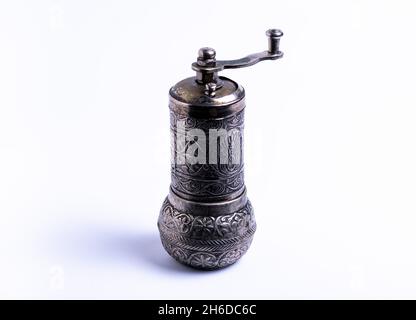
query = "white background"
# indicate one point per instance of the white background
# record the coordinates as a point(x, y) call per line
point(329, 143)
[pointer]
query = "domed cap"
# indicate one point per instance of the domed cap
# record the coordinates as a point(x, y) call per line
point(190, 92)
point(190, 98)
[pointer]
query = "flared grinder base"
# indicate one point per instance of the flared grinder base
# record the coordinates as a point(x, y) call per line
point(206, 236)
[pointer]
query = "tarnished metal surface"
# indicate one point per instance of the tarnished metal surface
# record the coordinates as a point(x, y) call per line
point(206, 221)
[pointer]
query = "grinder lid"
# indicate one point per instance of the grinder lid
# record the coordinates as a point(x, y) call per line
point(189, 91)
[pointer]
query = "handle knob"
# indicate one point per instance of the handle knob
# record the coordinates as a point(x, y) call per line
point(274, 40)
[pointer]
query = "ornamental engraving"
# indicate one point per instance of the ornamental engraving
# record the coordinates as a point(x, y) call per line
point(206, 242)
point(207, 155)
point(207, 227)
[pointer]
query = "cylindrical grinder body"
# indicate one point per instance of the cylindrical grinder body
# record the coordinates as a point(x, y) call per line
point(206, 221)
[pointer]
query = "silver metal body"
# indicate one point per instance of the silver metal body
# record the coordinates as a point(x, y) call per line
point(207, 221)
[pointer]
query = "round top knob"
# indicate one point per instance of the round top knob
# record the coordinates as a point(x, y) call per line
point(206, 53)
point(274, 33)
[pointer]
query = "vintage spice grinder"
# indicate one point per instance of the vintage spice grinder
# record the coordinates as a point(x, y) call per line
point(206, 221)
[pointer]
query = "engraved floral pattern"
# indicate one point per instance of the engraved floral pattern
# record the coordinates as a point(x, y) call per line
point(206, 242)
point(203, 227)
point(203, 260)
point(207, 227)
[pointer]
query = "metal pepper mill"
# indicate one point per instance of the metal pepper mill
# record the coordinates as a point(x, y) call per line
point(206, 221)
